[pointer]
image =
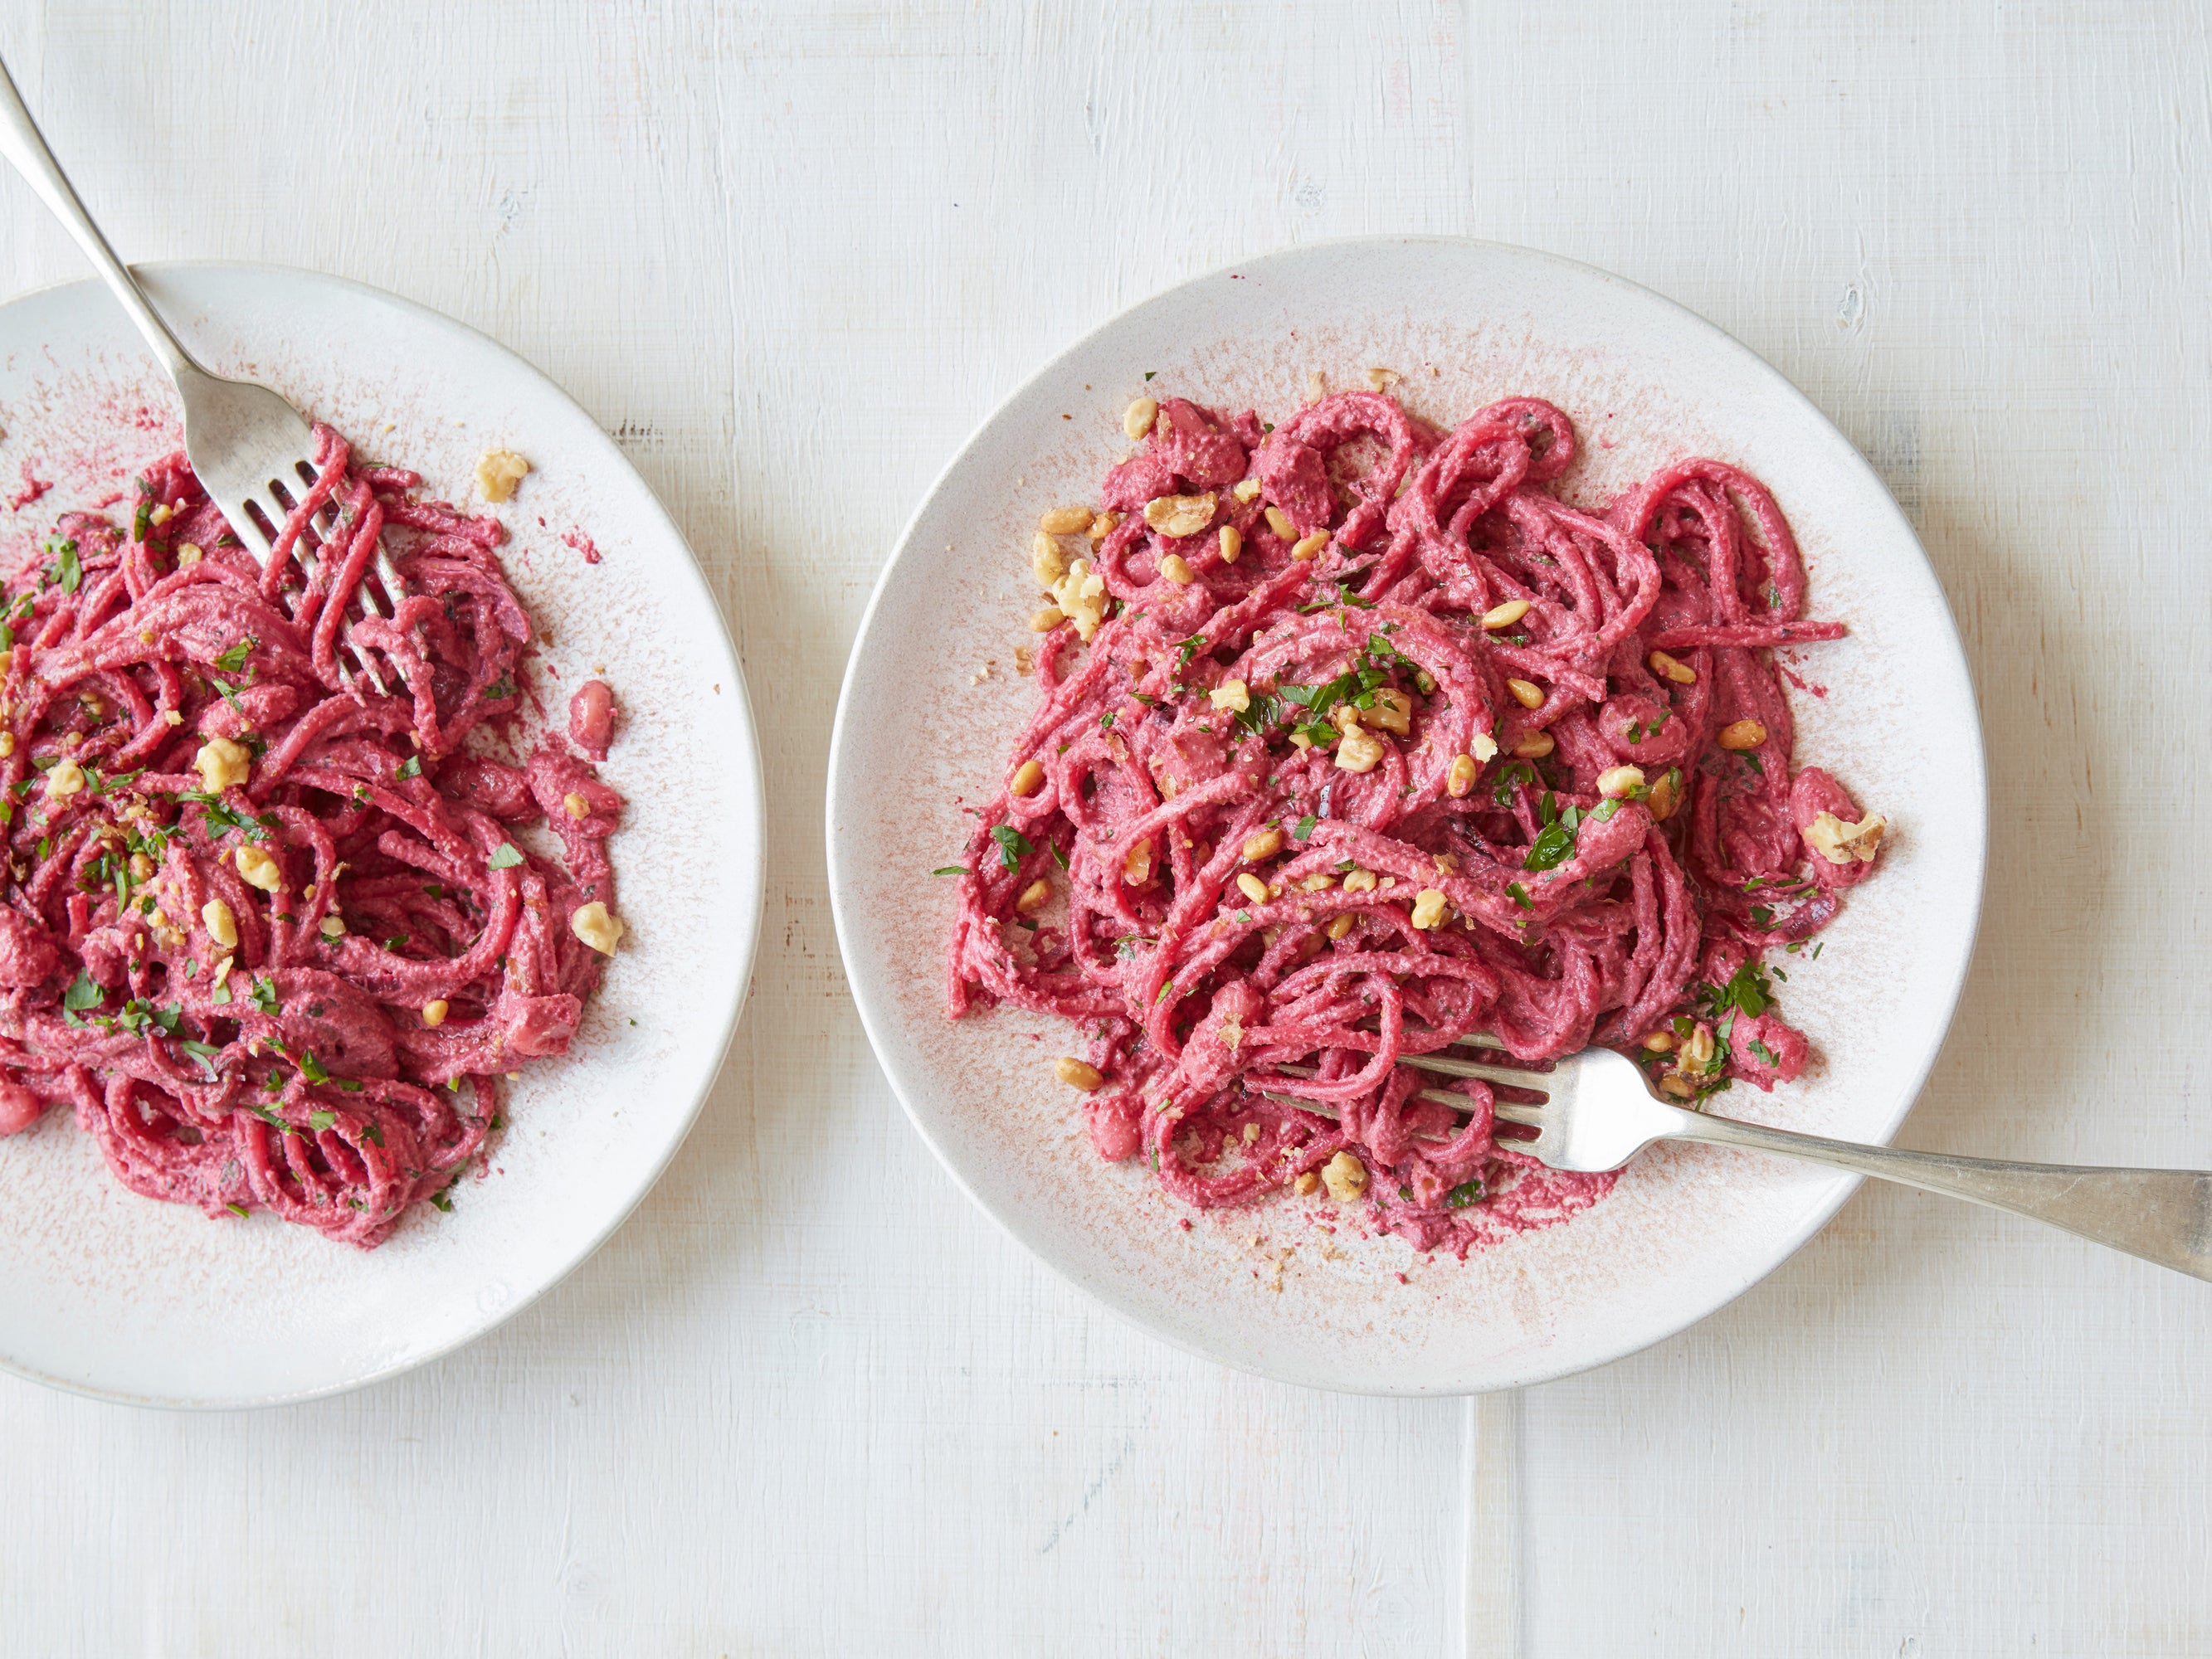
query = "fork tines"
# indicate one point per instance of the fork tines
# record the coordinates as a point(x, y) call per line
point(268, 518)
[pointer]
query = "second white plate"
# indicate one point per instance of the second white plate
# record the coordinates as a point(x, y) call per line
point(918, 734)
point(109, 1293)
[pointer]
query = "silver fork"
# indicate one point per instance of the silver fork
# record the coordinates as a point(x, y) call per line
point(252, 451)
point(1599, 1112)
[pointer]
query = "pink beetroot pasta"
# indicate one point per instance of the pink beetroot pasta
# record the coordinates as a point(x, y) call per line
point(1354, 739)
point(271, 938)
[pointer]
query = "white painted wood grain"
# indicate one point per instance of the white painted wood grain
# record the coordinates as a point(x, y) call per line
point(808, 1401)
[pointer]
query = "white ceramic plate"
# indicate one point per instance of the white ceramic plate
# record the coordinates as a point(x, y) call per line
point(1686, 1229)
point(109, 1293)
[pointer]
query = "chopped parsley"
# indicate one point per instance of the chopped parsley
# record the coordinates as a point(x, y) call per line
point(1555, 841)
point(1467, 1192)
point(318, 1120)
point(506, 856)
point(234, 658)
point(1303, 828)
point(1509, 779)
point(1747, 990)
point(411, 767)
point(950, 870)
point(1519, 895)
point(1013, 846)
point(67, 572)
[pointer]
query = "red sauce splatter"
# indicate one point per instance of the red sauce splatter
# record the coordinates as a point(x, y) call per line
point(32, 490)
point(583, 543)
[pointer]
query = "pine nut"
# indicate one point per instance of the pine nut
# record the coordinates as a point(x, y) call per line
point(1392, 711)
point(1345, 1177)
point(1065, 520)
point(1077, 1075)
point(1659, 1043)
point(1616, 783)
point(1310, 546)
point(1666, 795)
point(1047, 563)
point(434, 1012)
point(1252, 887)
point(1137, 419)
point(594, 925)
point(333, 927)
point(1034, 897)
point(1339, 925)
point(1459, 776)
point(1527, 693)
point(1358, 752)
point(257, 869)
point(1232, 544)
point(1176, 570)
point(1046, 620)
point(575, 805)
point(1028, 780)
point(1506, 615)
point(1359, 881)
point(1680, 1087)
point(1137, 864)
point(1178, 516)
point(1739, 735)
point(1670, 668)
point(1280, 522)
point(221, 927)
point(1535, 745)
point(1263, 846)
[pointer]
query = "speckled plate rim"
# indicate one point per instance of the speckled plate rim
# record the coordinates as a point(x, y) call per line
point(878, 1012)
point(750, 832)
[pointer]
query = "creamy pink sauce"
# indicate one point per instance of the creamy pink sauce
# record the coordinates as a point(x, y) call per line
point(1399, 711)
point(291, 984)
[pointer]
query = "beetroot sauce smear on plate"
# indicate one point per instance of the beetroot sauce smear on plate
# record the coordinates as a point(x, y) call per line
point(270, 937)
point(1376, 743)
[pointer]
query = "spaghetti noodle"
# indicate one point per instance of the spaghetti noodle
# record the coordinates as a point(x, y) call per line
point(272, 938)
point(1378, 742)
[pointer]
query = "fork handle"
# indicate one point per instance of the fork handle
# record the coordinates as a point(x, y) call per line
point(2162, 1215)
point(26, 149)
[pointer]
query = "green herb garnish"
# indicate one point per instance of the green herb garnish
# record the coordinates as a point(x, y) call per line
point(1013, 846)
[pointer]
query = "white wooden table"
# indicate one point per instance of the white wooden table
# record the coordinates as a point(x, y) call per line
point(808, 1401)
